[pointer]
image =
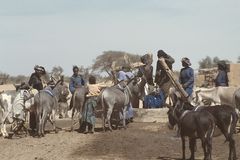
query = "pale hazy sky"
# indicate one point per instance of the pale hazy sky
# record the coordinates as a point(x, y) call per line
point(67, 32)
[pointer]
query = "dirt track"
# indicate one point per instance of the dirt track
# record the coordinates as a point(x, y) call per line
point(139, 141)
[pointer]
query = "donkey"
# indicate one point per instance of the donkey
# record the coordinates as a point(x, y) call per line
point(194, 125)
point(225, 117)
point(112, 98)
point(78, 102)
point(46, 102)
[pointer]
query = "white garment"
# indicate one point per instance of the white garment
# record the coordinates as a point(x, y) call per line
point(18, 106)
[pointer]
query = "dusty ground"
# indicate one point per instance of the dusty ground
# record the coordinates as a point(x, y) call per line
point(139, 141)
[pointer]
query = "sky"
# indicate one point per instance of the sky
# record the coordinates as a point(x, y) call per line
point(74, 32)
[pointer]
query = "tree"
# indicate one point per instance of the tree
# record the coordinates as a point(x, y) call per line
point(206, 63)
point(84, 71)
point(110, 60)
point(238, 61)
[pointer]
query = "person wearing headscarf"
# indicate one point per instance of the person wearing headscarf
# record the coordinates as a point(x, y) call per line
point(147, 69)
point(18, 107)
point(161, 77)
point(35, 82)
point(88, 114)
point(186, 77)
point(123, 76)
point(35, 79)
point(222, 77)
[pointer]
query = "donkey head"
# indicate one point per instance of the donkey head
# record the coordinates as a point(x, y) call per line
point(61, 88)
point(136, 85)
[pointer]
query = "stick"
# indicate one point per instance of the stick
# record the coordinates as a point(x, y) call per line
point(175, 83)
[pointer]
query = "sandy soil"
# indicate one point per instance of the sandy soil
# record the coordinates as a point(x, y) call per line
point(139, 141)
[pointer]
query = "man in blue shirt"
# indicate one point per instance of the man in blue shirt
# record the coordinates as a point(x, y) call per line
point(76, 81)
point(186, 78)
point(222, 77)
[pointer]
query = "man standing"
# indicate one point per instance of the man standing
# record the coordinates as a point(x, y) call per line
point(36, 82)
point(186, 78)
point(222, 77)
point(76, 81)
point(161, 78)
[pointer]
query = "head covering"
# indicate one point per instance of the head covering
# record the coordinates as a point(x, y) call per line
point(186, 61)
point(75, 67)
point(40, 69)
point(222, 65)
point(92, 79)
point(161, 53)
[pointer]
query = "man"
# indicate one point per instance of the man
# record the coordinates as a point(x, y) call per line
point(147, 69)
point(35, 79)
point(161, 78)
point(36, 82)
point(19, 106)
point(76, 81)
point(186, 77)
point(222, 77)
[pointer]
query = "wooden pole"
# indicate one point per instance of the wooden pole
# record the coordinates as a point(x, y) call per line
point(174, 81)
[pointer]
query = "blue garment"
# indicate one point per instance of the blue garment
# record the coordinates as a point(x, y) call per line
point(75, 81)
point(154, 101)
point(186, 79)
point(221, 79)
point(123, 76)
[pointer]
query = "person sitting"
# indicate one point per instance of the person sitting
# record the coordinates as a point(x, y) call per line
point(76, 81)
point(186, 77)
point(222, 77)
point(35, 82)
point(123, 76)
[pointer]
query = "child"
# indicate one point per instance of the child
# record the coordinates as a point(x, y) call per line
point(88, 115)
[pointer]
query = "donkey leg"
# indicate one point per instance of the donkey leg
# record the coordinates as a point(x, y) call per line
point(124, 117)
point(232, 149)
point(54, 120)
point(103, 122)
point(204, 146)
point(72, 119)
point(183, 147)
point(109, 113)
point(43, 121)
point(4, 131)
point(192, 144)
